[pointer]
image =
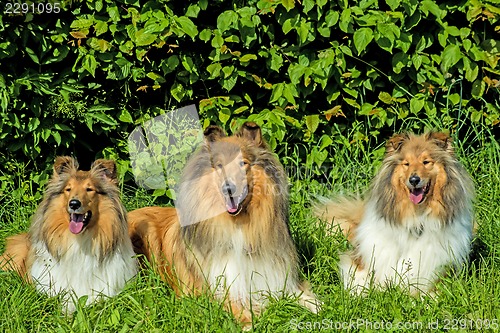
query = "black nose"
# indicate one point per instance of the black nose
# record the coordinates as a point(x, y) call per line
point(414, 180)
point(74, 204)
point(228, 188)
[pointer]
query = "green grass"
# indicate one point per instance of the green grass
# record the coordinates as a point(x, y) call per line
point(468, 299)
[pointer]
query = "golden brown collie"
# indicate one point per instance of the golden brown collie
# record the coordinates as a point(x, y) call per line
point(78, 239)
point(229, 231)
point(416, 220)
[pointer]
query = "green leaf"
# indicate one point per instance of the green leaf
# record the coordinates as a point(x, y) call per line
point(143, 38)
point(90, 64)
point(227, 70)
point(362, 37)
point(289, 92)
point(226, 20)
point(187, 26)
point(430, 6)
point(214, 70)
point(276, 60)
point(304, 30)
point(57, 137)
point(102, 117)
point(308, 5)
point(417, 61)
point(288, 25)
point(288, 4)
point(352, 102)
point(471, 69)
point(33, 124)
point(450, 56)
point(476, 116)
point(224, 115)
point(205, 35)
point(277, 92)
point(98, 5)
point(247, 58)
point(454, 99)
point(125, 116)
point(478, 88)
point(155, 77)
point(296, 72)
point(312, 122)
point(193, 11)
point(346, 20)
point(230, 82)
point(177, 91)
point(241, 109)
point(82, 24)
point(32, 55)
point(325, 141)
point(385, 97)
point(99, 44)
point(331, 18)
point(394, 4)
point(100, 27)
point(173, 62)
point(114, 13)
point(217, 41)
point(399, 61)
point(416, 105)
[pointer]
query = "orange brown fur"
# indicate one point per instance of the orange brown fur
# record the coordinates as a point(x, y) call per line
point(230, 221)
point(415, 221)
point(431, 158)
point(15, 255)
point(78, 238)
point(88, 187)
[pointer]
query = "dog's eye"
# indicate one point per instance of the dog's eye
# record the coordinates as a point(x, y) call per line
point(219, 165)
point(426, 162)
point(406, 163)
point(90, 189)
point(243, 163)
point(68, 189)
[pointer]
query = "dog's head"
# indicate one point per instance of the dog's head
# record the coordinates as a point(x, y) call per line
point(81, 190)
point(419, 163)
point(231, 159)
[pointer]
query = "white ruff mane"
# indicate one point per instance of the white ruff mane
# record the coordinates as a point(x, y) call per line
point(80, 272)
point(412, 253)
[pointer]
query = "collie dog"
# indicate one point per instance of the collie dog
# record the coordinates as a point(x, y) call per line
point(416, 221)
point(228, 234)
point(78, 239)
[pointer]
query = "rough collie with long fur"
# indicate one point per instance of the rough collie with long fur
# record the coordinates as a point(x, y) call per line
point(416, 221)
point(228, 234)
point(78, 239)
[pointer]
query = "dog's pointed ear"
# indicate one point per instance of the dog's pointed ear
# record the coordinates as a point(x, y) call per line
point(64, 164)
point(442, 140)
point(252, 132)
point(394, 144)
point(105, 168)
point(213, 133)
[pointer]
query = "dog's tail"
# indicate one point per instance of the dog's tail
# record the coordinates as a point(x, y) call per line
point(15, 255)
point(341, 212)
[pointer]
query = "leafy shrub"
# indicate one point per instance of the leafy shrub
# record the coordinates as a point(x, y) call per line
point(315, 73)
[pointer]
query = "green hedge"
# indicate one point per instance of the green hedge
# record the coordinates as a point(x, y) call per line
point(315, 74)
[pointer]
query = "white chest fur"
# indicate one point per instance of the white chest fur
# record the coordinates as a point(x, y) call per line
point(80, 272)
point(413, 253)
point(244, 274)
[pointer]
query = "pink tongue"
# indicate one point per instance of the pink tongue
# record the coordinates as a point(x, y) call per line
point(76, 223)
point(231, 205)
point(75, 227)
point(417, 196)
